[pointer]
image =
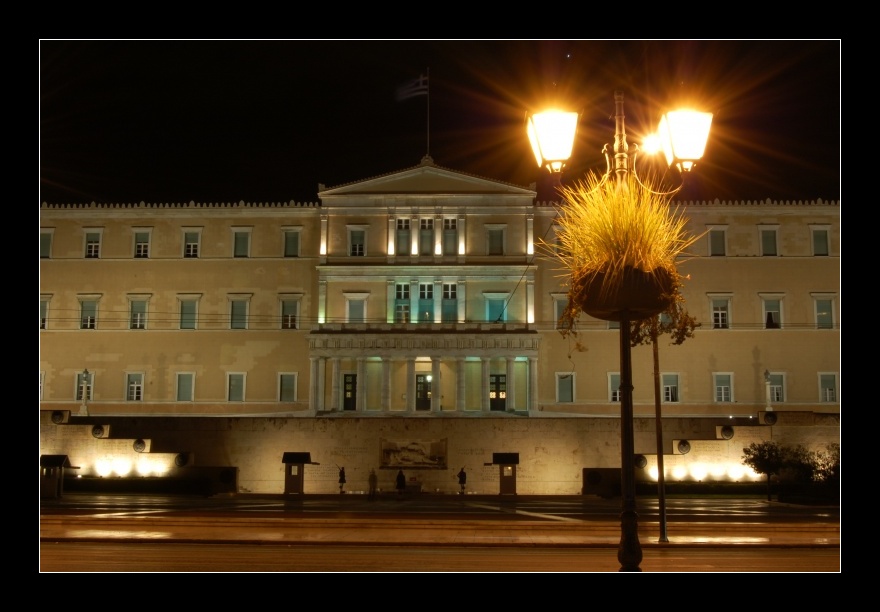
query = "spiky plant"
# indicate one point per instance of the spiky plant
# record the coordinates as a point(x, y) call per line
point(611, 227)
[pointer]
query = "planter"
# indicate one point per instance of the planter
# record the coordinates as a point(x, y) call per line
point(632, 295)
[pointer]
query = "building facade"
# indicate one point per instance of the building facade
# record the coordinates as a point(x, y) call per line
point(414, 311)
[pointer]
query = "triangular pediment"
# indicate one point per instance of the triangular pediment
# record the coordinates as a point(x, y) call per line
point(425, 179)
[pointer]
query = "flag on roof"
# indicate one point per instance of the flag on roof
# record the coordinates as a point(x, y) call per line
point(416, 87)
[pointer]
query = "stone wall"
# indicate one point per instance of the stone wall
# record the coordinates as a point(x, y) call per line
point(553, 450)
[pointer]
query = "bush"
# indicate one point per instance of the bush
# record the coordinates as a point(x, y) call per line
point(827, 465)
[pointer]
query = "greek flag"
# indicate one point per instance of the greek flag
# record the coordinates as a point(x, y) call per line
point(417, 87)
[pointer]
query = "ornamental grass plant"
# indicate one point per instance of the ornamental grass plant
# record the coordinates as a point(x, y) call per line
point(611, 231)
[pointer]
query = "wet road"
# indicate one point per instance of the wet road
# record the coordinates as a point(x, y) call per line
point(98, 533)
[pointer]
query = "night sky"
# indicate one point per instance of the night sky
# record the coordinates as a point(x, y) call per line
point(267, 121)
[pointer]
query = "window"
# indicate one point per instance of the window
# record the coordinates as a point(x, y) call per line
point(401, 303)
point(44, 312)
point(564, 387)
point(141, 244)
point(426, 236)
point(356, 307)
point(188, 313)
point(613, 324)
point(768, 241)
point(723, 388)
point(670, 387)
point(403, 244)
point(824, 312)
point(235, 388)
point(134, 384)
point(186, 382)
point(449, 307)
point(291, 243)
point(84, 380)
point(45, 244)
point(720, 313)
point(614, 387)
point(238, 313)
point(828, 387)
point(820, 241)
point(289, 313)
point(241, 241)
point(93, 244)
point(717, 242)
point(776, 384)
point(558, 245)
point(357, 240)
point(88, 313)
point(560, 302)
point(426, 302)
point(450, 236)
point(287, 387)
point(494, 240)
point(191, 240)
point(772, 312)
point(496, 307)
point(137, 314)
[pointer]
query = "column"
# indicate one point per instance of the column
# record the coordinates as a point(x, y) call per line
point(386, 384)
point(484, 385)
point(361, 385)
point(511, 384)
point(392, 237)
point(414, 301)
point(322, 301)
point(462, 245)
point(390, 304)
point(462, 302)
point(335, 383)
point(314, 398)
point(436, 396)
point(438, 235)
point(530, 301)
point(410, 384)
point(459, 383)
point(533, 384)
point(438, 301)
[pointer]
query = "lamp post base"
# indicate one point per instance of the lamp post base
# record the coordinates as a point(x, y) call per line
point(629, 553)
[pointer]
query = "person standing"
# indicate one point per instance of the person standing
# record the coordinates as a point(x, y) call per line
point(401, 482)
point(462, 480)
point(374, 481)
point(341, 479)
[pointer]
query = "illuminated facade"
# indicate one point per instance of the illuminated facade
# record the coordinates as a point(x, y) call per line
point(417, 294)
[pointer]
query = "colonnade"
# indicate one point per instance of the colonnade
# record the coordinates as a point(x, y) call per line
point(338, 366)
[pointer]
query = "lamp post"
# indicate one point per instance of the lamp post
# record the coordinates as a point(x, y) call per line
point(768, 407)
point(683, 136)
point(84, 407)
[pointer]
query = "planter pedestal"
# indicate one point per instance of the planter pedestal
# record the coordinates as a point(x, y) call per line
point(632, 295)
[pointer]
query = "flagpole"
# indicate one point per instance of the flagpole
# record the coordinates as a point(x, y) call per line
point(428, 116)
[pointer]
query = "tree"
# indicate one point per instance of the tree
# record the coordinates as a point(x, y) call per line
point(766, 458)
point(827, 465)
point(680, 325)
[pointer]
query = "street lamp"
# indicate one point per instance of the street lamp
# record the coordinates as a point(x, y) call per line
point(768, 407)
point(84, 407)
point(683, 136)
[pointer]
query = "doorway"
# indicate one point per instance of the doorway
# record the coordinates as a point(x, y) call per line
point(349, 391)
point(423, 391)
point(498, 392)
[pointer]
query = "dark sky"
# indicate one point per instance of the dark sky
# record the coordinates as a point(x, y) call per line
point(266, 121)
